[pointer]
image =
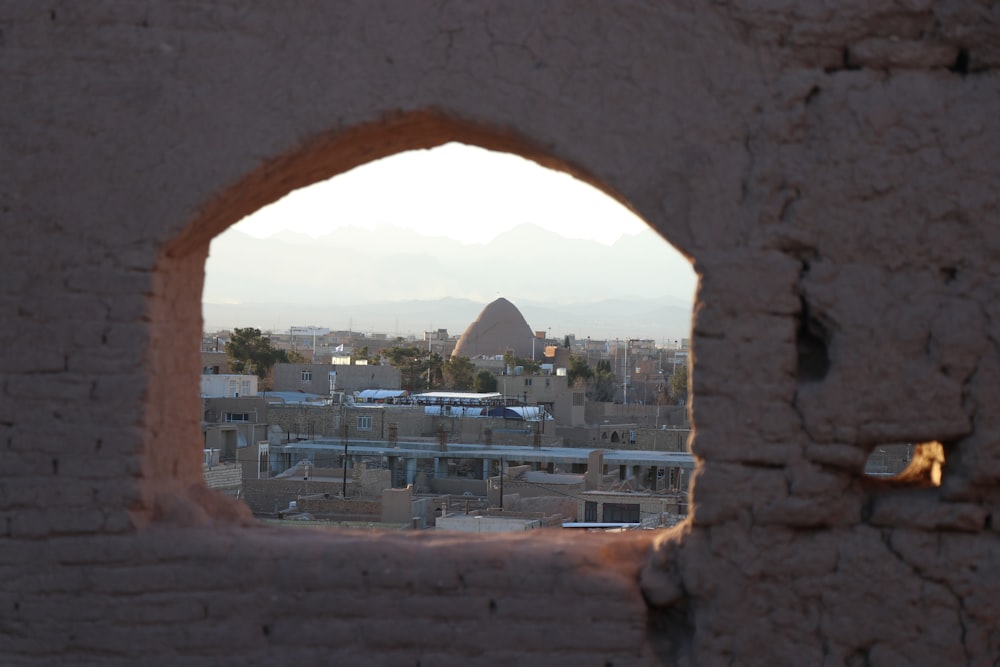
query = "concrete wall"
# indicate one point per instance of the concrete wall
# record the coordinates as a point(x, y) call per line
point(308, 421)
point(224, 477)
point(228, 386)
point(534, 389)
point(210, 361)
point(305, 421)
point(512, 487)
point(485, 524)
point(831, 171)
point(339, 509)
point(214, 409)
point(663, 440)
point(270, 496)
point(669, 415)
point(456, 486)
point(397, 505)
point(350, 378)
point(572, 410)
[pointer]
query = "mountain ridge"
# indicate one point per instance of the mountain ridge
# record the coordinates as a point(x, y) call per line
point(393, 279)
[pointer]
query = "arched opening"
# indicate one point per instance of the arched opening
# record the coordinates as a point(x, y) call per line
point(377, 424)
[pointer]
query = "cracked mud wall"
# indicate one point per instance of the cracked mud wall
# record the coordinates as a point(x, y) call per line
point(857, 310)
point(831, 172)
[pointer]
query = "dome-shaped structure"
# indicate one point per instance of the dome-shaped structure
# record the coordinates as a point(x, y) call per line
point(500, 327)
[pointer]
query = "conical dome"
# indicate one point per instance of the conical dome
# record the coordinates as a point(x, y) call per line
point(500, 327)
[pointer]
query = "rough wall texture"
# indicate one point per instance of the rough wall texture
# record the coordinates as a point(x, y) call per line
point(831, 169)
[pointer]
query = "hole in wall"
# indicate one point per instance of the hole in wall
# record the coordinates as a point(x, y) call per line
point(812, 344)
point(961, 64)
point(378, 258)
point(907, 464)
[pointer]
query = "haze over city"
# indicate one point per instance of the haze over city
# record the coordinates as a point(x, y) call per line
point(425, 239)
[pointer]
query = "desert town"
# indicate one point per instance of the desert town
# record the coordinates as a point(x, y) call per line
point(344, 437)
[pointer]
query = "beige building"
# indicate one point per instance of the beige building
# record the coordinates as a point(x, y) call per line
point(214, 362)
point(323, 379)
point(484, 523)
point(626, 436)
point(228, 386)
point(645, 509)
point(231, 424)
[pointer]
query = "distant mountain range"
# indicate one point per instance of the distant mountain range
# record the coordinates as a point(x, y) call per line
point(395, 281)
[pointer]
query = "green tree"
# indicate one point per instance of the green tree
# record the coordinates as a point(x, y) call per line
point(603, 383)
point(419, 369)
point(458, 373)
point(599, 381)
point(579, 371)
point(296, 357)
point(250, 351)
point(435, 370)
point(530, 367)
point(408, 361)
point(508, 361)
point(679, 384)
point(485, 381)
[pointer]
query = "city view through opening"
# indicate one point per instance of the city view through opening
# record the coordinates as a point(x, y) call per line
point(448, 339)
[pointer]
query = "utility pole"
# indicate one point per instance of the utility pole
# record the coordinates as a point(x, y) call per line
point(344, 488)
point(625, 372)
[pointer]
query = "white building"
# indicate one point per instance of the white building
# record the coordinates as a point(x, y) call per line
point(228, 386)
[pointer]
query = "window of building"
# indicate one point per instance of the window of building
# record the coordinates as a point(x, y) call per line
point(365, 423)
point(245, 387)
point(631, 437)
point(231, 388)
point(264, 461)
point(621, 513)
point(527, 382)
point(307, 376)
point(237, 417)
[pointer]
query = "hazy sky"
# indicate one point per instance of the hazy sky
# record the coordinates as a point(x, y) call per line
point(458, 191)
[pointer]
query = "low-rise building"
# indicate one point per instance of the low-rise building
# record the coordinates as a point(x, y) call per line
point(326, 379)
point(228, 386)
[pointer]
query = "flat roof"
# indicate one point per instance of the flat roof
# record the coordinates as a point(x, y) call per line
point(431, 450)
point(458, 394)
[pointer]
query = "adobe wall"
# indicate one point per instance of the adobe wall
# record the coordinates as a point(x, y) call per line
point(830, 169)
